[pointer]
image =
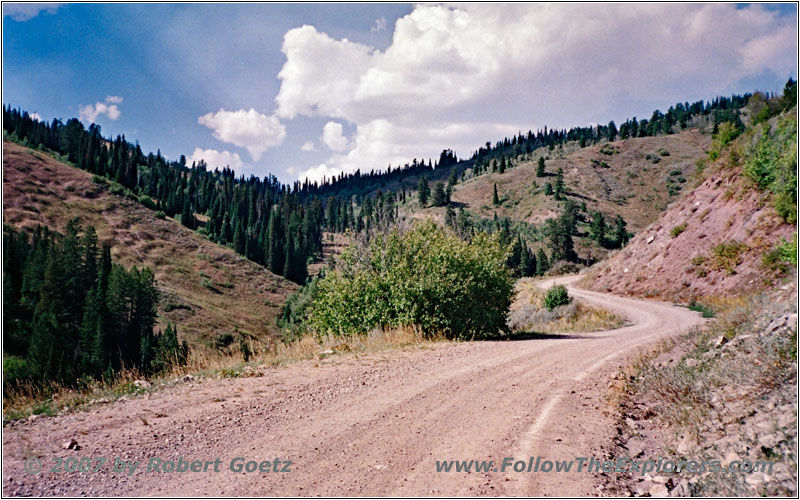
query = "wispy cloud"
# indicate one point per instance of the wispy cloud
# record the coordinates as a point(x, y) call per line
point(380, 25)
point(26, 11)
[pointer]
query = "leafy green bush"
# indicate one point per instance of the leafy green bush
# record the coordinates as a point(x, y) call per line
point(663, 152)
point(726, 133)
point(728, 255)
point(161, 215)
point(147, 201)
point(16, 369)
point(556, 296)
point(116, 189)
point(99, 180)
point(426, 278)
point(770, 162)
point(293, 319)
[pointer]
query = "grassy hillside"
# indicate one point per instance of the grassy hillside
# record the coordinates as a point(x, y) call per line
point(635, 178)
point(205, 289)
point(623, 182)
point(729, 236)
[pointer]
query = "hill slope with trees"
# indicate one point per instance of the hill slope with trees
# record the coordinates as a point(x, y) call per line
point(735, 233)
point(205, 289)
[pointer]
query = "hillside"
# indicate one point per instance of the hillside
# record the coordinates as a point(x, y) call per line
point(635, 178)
point(714, 241)
point(206, 289)
point(628, 184)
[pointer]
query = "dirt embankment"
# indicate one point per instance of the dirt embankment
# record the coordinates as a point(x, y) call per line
point(709, 243)
point(727, 395)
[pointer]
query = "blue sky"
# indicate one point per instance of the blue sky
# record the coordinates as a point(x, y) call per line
point(315, 89)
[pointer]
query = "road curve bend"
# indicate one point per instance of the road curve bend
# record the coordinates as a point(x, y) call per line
point(368, 425)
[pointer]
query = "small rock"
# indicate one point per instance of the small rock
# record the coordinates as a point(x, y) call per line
point(141, 384)
point(731, 456)
point(188, 378)
point(635, 448)
point(72, 444)
point(32, 418)
point(326, 352)
point(659, 490)
point(755, 478)
point(721, 340)
point(650, 239)
point(691, 363)
point(684, 446)
point(661, 480)
point(642, 488)
point(681, 489)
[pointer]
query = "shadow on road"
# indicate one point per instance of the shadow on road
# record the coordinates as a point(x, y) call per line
point(541, 336)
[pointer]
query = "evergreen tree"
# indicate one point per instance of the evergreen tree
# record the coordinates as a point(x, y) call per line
point(621, 235)
point(540, 172)
point(423, 191)
point(495, 198)
point(598, 228)
point(560, 240)
point(187, 217)
point(439, 195)
point(542, 264)
point(558, 187)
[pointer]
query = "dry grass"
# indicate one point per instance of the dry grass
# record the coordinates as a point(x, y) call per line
point(29, 399)
point(528, 313)
point(736, 395)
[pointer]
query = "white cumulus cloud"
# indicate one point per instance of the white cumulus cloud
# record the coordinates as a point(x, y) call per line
point(251, 130)
point(216, 159)
point(333, 137)
point(90, 112)
point(484, 71)
point(308, 146)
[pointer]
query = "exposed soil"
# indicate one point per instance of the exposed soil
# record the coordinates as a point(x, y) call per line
point(666, 262)
point(363, 426)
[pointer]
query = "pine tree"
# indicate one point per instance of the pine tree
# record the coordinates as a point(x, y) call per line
point(423, 191)
point(542, 264)
point(495, 198)
point(558, 188)
point(439, 196)
point(187, 217)
point(598, 228)
point(540, 172)
point(621, 235)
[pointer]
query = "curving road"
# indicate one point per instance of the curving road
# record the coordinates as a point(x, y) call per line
point(371, 425)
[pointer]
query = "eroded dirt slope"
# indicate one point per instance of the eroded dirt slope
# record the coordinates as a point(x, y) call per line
point(679, 257)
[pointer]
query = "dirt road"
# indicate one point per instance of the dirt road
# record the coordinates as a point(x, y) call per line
point(369, 425)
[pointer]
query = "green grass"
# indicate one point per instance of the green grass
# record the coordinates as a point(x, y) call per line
point(704, 310)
